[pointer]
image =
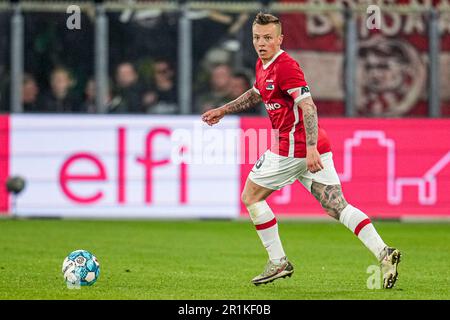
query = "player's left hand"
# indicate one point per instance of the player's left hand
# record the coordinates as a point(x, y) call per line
point(313, 161)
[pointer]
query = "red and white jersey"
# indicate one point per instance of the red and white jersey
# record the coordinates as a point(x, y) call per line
point(282, 85)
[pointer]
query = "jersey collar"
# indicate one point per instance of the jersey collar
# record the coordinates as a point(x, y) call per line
point(265, 66)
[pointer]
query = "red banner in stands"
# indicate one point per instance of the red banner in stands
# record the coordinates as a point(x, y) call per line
point(392, 60)
point(388, 168)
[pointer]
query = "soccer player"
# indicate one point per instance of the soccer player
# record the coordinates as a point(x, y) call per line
point(302, 153)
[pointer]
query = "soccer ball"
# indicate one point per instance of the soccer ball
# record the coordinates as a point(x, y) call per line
point(80, 268)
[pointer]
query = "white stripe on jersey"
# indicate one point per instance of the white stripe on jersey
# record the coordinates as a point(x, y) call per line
point(291, 133)
point(256, 90)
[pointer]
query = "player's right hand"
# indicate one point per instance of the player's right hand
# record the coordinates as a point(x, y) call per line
point(313, 161)
point(213, 116)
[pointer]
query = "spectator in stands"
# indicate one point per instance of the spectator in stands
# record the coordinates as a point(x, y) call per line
point(219, 89)
point(4, 59)
point(128, 90)
point(89, 102)
point(89, 105)
point(30, 94)
point(60, 98)
point(162, 98)
point(4, 90)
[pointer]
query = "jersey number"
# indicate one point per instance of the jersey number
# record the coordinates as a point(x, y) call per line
point(260, 161)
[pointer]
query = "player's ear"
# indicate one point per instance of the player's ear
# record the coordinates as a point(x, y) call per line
point(280, 39)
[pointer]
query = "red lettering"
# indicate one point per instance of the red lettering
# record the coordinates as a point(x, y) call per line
point(65, 177)
point(121, 165)
point(183, 179)
point(4, 162)
point(148, 161)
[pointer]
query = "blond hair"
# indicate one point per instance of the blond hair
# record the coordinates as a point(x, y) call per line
point(267, 18)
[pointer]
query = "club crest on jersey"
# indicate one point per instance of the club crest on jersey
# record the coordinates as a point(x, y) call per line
point(270, 86)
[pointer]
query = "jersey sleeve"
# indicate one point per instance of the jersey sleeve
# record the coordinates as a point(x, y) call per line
point(292, 81)
point(255, 88)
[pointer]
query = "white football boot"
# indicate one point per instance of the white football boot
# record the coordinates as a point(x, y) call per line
point(389, 265)
point(274, 271)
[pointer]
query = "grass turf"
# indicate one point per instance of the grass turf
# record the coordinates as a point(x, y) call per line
point(216, 260)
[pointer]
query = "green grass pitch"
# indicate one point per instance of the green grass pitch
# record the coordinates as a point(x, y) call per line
point(216, 260)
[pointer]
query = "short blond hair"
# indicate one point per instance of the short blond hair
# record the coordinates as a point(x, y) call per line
point(267, 18)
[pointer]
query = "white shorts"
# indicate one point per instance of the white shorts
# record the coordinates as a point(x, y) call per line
point(273, 171)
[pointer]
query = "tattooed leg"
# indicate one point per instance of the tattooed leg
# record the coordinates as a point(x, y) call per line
point(330, 198)
point(333, 201)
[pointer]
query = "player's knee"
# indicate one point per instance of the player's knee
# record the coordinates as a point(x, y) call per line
point(247, 199)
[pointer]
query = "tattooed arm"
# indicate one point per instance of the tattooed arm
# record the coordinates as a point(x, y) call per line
point(246, 101)
point(310, 123)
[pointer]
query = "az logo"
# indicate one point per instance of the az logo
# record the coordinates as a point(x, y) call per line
point(305, 89)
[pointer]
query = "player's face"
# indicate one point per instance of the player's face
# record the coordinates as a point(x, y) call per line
point(267, 40)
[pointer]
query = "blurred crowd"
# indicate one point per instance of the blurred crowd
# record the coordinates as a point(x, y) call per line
point(129, 92)
point(143, 47)
point(59, 76)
